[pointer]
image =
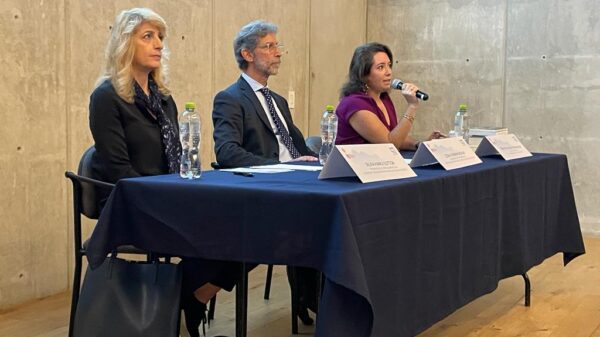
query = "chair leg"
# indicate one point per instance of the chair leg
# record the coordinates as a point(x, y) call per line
point(295, 302)
point(241, 303)
point(268, 281)
point(527, 289)
point(299, 311)
point(211, 308)
point(320, 282)
point(75, 293)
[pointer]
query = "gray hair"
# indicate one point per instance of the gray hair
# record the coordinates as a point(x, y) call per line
point(247, 38)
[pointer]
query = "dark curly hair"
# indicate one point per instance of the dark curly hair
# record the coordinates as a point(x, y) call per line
point(360, 67)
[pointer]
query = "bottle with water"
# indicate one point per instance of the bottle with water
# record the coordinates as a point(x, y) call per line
point(466, 121)
point(329, 123)
point(189, 134)
point(459, 122)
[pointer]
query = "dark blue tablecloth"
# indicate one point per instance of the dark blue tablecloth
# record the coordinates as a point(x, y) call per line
point(397, 255)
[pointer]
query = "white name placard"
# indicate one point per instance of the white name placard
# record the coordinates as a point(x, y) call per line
point(451, 153)
point(370, 162)
point(508, 146)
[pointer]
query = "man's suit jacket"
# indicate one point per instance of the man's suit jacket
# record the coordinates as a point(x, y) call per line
point(242, 132)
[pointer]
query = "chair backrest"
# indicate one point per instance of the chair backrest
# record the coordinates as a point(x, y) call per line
point(85, 163)
point(89, 191)
point(314, 143)
point(86, 189)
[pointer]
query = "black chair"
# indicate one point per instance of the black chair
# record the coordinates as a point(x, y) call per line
point(86, 194)
point(85, 203)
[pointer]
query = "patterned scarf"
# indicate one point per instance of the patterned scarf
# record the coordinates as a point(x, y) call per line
point(153, 103)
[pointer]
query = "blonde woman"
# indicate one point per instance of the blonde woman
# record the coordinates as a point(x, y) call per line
point(133, 120)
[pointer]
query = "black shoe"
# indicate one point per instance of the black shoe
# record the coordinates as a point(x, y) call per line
point(303, 315)
point(195, 314)
point(310, 304)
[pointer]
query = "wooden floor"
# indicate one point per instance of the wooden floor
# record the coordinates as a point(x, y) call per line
point(565, 302)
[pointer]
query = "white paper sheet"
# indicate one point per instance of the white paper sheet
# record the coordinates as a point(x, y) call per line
point(289, 167)
point(256, 170)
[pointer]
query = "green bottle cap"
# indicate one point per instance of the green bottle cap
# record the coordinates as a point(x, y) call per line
point(330, 108)
point(462, 107)
point(190, 105)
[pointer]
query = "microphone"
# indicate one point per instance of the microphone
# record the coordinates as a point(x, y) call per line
point(397, 84)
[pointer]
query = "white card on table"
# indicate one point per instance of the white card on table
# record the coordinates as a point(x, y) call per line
point(451, 153)
point(507, 145)
point(370, 162)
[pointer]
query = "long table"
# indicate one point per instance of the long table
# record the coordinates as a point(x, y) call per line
point(397, 255)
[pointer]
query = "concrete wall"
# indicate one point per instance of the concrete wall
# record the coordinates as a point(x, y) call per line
point(33, 156)
point(333, 38)
point(533, 66)
point(53, 53)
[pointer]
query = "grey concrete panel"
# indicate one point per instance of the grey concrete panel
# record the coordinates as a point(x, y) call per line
point(453, 50)
point(554, 97)
point(30, 86)
point(438, 30)
point(553, 91)
point(88, 30)
point(33, 150)
point(15, 279)
point(337, 28)
point(46, 229)
point(553, 27)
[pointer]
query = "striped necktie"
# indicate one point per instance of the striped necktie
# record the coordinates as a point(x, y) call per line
point(281, 130)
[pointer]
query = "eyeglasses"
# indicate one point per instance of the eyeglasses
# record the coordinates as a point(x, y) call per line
point(272, 47)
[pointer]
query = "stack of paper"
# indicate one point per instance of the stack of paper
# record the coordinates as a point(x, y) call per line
point(477, 133)
point(275, 168)
point(482, 131)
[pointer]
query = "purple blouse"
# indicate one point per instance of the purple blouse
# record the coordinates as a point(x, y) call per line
point(361, 101)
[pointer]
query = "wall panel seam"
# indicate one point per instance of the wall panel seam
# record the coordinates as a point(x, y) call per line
point(68, 127)
point(504, 62)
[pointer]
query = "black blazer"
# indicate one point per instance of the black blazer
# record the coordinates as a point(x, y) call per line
point(127, 139)
point(242, 132)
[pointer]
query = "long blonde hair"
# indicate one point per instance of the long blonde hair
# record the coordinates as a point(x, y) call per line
point(120, 51)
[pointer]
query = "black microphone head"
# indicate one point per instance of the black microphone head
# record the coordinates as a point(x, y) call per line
point(396, 84)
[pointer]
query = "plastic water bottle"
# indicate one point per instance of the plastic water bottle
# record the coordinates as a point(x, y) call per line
point(459, 122)
point(189, 134)
point(329, 123)
point(466, 122)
